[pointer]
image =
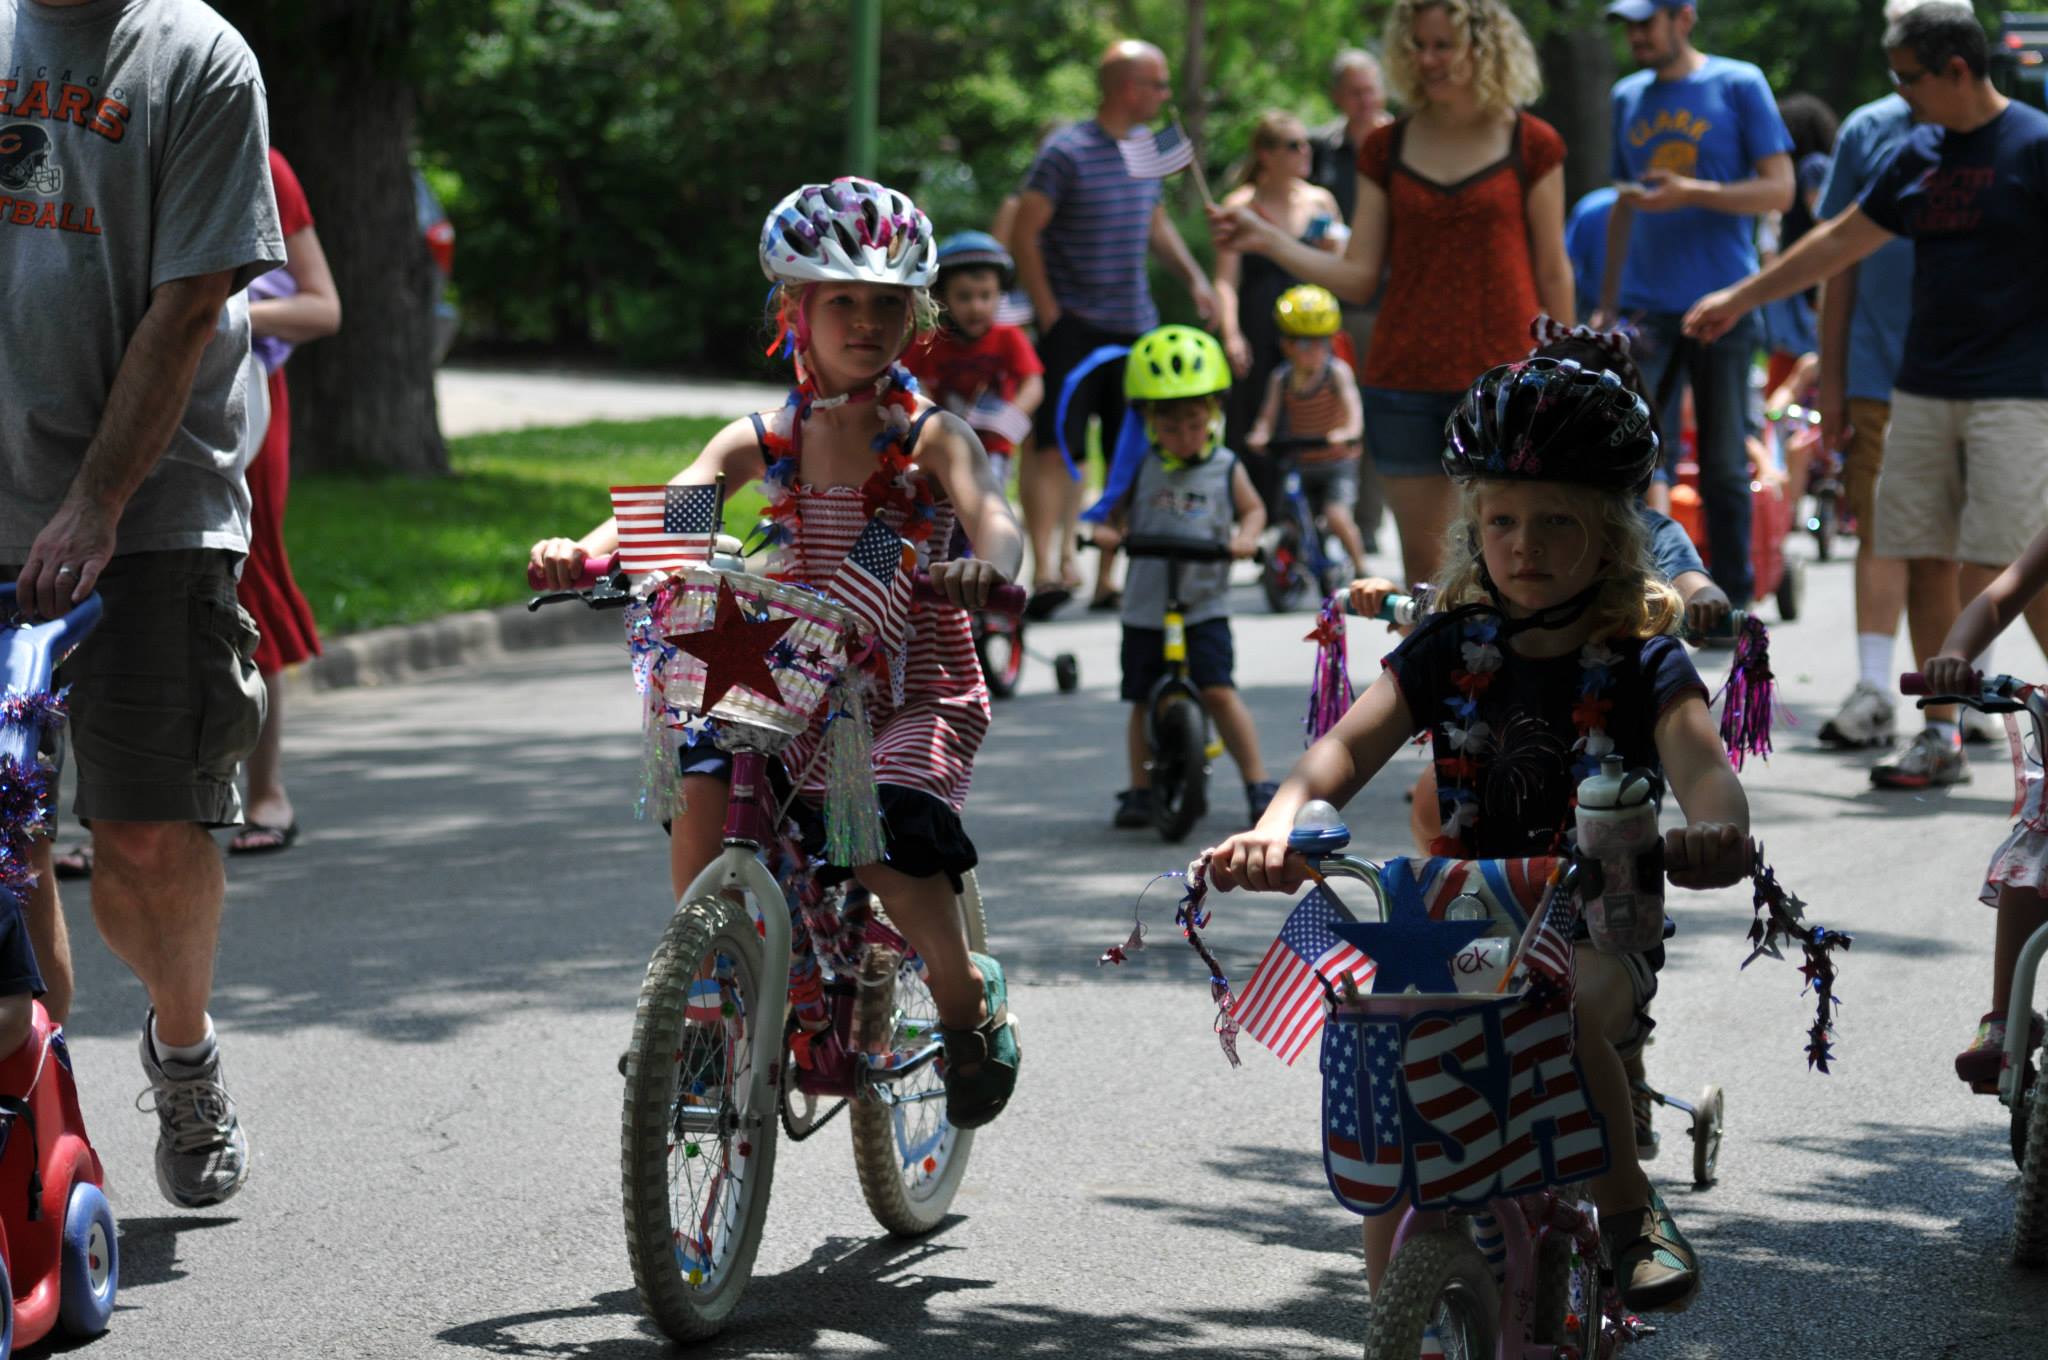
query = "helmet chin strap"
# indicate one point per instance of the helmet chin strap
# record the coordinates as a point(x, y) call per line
point(1563, 614)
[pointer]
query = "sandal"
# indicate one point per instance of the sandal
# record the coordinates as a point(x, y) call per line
point(1045, 601)
point(73, 863)
point(1654, 1265)
point(1980, 1063)
point(981, 1063)
point(260, 838)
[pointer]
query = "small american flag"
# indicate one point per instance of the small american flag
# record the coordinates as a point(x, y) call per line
point(1548, 949)
point(873, 584)
point(993, 415)
point(662, 528)
point(1282, 1006)
point(1014, 309)
point(1155, 155)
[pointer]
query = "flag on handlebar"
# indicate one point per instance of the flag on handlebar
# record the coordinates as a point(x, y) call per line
point(664, 528)
point(1282, 1006)
point(873, 583)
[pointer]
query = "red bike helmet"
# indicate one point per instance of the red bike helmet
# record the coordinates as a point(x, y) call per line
point(1552, 420)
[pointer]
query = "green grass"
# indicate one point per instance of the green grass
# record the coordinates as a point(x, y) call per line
point(375, 551)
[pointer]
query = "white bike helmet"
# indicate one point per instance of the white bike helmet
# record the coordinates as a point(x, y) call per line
point(849, 230)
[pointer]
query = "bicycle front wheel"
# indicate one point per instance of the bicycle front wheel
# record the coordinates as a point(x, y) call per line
point(1283, 577)
point(2030, 1215)
point(1568, 1303)
point(910, 1159)
point(1439, 1287)
point(698, 1141)
point(1180, 769)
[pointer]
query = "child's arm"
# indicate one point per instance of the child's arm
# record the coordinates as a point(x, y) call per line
point(1334, 769)
point(733, 451)
point(1261, 432)
point(1984, 618)
point(1353, 428)
point(1030, 392)
point(1251, 514)
point(1712, 849)
point(954, 456)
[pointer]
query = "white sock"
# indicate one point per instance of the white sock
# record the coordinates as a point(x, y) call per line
point(189, 1053)
point(1948, 731)
point(1874, 661)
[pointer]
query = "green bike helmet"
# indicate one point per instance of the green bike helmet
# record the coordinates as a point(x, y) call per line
point(1174, 362)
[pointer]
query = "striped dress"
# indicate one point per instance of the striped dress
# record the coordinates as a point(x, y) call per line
point(1316, 411)
point(927, 742)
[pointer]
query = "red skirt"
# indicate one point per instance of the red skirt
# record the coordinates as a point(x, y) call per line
point(267, 590)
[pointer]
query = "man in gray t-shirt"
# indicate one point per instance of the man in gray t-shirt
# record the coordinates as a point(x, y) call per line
point(135, 206)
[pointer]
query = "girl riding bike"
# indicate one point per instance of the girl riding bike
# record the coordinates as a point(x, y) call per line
point(851, 261)
point(1550, 653)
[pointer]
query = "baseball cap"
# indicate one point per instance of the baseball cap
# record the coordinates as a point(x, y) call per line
point(1635, 11)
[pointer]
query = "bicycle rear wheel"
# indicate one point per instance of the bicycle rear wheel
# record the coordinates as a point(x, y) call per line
point(1442, 1286)
point(698, 1142)
point(1180, 769)
point(2030, 1215)
point(1283, 577)
point(910, 1160)
point(1000, 647)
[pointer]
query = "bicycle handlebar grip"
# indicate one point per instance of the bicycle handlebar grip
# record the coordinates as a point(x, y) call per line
point(1004, 599)
point(595, 569)
point(1913, 682)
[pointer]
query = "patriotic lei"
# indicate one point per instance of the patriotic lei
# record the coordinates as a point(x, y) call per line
point(1472, 741)
point(25, 790)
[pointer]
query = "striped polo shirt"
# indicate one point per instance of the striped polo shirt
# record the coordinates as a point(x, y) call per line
point(1095, 245)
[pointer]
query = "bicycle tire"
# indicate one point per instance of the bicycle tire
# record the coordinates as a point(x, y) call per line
point(1438, 1280)
point(2022, 1112)
point(1180, 769)
point(703, 929)
point(1568, 1302)
point(2030, 1214)
point(1282, 578)
point(909, 1194)
point(1824, 525)
point(1001, 654)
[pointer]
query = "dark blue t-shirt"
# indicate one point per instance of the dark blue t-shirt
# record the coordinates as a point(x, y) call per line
point(1525, 773)
point(1976, 206)
point(1714, 124)
point(1670, 547)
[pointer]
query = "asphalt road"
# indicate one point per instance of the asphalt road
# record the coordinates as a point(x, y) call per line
point(421, 1006)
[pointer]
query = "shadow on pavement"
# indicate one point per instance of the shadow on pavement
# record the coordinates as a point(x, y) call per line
point(149, 1246)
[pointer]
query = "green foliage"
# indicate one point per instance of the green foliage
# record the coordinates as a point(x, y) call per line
point(375, 551)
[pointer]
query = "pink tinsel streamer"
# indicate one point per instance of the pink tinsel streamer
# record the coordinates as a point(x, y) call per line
point(1329, 693)
point(1750, 695)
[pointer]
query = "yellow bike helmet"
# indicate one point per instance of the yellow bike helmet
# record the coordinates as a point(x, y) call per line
point(1307, 312)
point(1175, 362)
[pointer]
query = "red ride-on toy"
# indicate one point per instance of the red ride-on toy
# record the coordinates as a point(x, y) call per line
point(1770, 524)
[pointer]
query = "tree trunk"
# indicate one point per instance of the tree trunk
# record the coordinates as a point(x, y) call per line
point(341, 111)
point(1578, 73)
point(1194, 79)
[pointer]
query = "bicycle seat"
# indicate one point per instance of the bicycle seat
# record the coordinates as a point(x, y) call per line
point(29, 656)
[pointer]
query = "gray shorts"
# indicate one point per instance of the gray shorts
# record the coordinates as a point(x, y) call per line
point(165, 698)
point(1325, 484)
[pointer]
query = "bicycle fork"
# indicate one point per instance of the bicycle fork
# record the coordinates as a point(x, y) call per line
point(1177, 661)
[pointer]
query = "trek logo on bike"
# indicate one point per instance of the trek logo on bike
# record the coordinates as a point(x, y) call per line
point(1454, 1106)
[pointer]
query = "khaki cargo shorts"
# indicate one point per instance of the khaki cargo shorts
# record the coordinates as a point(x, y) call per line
point(1963, 481)
point(165, 698)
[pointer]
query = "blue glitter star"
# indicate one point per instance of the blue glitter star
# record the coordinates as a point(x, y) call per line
point(1409, 949)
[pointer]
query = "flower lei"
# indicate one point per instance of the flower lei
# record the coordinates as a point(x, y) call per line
point(891, 487)
point(25, 790)
point(1472, 741)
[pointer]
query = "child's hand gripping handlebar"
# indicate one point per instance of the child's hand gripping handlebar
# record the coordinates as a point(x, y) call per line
point(1985, 693)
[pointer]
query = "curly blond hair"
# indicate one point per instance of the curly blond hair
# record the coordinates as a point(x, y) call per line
point(1505, 74)
point(1634, 600)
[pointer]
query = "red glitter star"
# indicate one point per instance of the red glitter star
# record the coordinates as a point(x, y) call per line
point(733, 650)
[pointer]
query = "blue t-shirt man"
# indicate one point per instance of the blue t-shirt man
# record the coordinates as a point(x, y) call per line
point(1870, 137)
point(1097, 242)
point(1585, 244)
point(1715, 124)
point(1976, 206)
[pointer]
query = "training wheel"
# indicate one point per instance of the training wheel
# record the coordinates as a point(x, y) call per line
point(1706, 1136)
point(1066, 672)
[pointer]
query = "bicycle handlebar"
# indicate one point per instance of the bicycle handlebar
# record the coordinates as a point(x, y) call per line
point(1175, 550)
point(1004, 599)
point(1995, 693)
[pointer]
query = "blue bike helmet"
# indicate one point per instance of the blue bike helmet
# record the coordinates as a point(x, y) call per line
point(977, 249)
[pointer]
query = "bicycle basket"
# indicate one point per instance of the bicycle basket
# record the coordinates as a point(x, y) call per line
point(803, 662)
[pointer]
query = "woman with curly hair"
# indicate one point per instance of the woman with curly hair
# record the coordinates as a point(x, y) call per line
point(1461, 201)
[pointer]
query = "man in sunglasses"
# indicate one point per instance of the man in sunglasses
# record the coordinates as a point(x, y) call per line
point(1964, 484)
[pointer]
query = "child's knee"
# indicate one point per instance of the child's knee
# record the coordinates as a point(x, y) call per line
point(17, 1020)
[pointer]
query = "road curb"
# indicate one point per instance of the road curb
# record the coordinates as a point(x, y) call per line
point(390, 656)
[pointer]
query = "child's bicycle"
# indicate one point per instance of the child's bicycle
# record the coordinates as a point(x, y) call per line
point(1299, 564)
point(717, 1055)
point(1180, 739)
point(1823, 475)
point(59, 1248)
point(999, 644)
point(2018, 1074)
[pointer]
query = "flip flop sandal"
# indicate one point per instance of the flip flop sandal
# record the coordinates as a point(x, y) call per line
point(981, 1063)
point(1103, 604)
point(73, 863)
point(281, 838)
point(1045, 601)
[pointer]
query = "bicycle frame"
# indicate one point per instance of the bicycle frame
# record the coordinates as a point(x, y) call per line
point(2019, 1010)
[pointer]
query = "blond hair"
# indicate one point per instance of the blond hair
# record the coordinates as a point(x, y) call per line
point(785, 313)
point(1505, 73)
point(1267, 133)
point(1634, 600)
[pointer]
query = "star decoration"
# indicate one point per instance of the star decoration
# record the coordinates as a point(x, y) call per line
point(734, 651)
point(1410, 950)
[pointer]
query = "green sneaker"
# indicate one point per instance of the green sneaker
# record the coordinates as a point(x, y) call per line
point(1653, 1263)
point(981, 1063)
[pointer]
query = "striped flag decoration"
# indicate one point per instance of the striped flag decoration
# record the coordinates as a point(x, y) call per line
point(1364, 1143)
point(665, 528)
point(1547, 948)
point(1282, 1006)
point(873, 583)
point(1014, 309)
point(993, 415)
point(1150, 155)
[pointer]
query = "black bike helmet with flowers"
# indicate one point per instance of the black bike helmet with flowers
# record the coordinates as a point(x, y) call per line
point(1552, 420)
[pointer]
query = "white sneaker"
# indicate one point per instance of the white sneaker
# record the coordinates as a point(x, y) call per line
point(1927, 761)
point(1865, 719)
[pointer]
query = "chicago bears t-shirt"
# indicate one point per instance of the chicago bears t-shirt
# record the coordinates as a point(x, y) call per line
point(1976, 206)
point(132, 153)
point(1870, 137)
point(956, 372)
point(1714, 124)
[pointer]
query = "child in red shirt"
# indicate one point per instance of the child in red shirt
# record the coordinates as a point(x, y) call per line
point(984, 372)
